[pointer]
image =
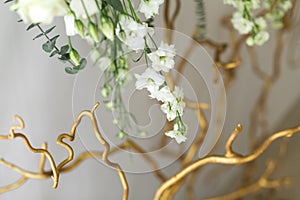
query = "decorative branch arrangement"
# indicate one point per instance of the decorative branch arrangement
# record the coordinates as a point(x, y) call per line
point(113, 28)
point(230, 158)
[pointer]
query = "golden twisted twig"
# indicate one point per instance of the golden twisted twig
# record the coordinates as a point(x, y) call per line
point(230, 158)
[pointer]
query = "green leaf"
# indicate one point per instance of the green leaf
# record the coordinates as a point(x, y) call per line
point(30, 26)
point(53, 53)
point(64, 57)
point(116, 4)
point(48, 46)
point(70, 70)
point(54, 38)
point(7, 1)
point(20, 20)
point(38, 36)
point(83, 63)
point(64, 49)
point(49, 30)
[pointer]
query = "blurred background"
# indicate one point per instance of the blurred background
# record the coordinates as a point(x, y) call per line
point(36, 87)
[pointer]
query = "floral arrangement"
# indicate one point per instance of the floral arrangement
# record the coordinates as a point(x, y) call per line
point(118, 27)
point(112, 28)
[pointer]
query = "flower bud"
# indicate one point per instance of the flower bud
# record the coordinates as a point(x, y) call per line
point(74, 56)
point(93, 31)
point(107, 28)
point(143, 133)
point(70, 24)
point(115, 121)
point(121, 135)
point(79, 27)
point(105, 92)
point(110, 105)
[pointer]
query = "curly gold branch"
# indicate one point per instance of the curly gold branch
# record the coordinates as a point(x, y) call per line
point(71, 136)
point(45, 154)
point(13, 135)
point(15, 185)
point(232, 160)
point(262, 183)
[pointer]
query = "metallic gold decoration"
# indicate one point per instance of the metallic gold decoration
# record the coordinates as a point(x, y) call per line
point(262, 183)
point(57, 168)
point(230, 158)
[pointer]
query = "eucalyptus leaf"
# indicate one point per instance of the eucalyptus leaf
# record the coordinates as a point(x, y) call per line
point(54, 39)
point(38, 36)
point(53, 53)
point(30, 26)
point(7, 1)
point(48, 46)
point(49, 30)
point(64, 49)
point(116, 4)
point(83, 63)
point(64, 57)
point(70, 70)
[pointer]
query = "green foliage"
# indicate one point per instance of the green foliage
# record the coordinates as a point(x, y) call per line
point(8, 1)
point(200, 11)
point(62, 53)
point(116, 4)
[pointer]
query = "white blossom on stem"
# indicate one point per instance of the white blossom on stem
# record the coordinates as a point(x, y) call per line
point(178, 132)
point(132, 33)
point(244, 26)
point(79, 6)
point(150, 79)
point(163, 58)
point(70, 24)
point(150, 7)
point(38, 11)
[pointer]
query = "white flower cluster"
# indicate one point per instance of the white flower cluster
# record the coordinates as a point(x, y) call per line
point(276, 15)
point(153, 80)
point(132, 33)
point(244, 21)
point(37, 11)
point(104, 28)
point(150, 7)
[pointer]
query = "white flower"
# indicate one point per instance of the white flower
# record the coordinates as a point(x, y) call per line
point(132, 33)
point(253, 4)
point(169, 111)
point(78, 8)
point(286, 5)
point(235, 3)
point(164, 94)
point(261, 22)
point(70, 24)
point(39, 11)
point(178, 104)
point(150, 7)
point(178, 132)
point(107, 28)
point(241, 24)
point(250, 41)
point(163, 58)
point(149, 79)
point(261, 37)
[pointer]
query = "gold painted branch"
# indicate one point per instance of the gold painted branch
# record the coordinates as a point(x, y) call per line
point(230, 158)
